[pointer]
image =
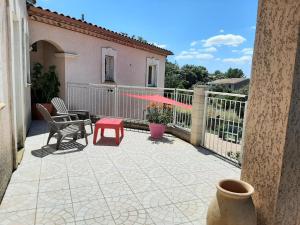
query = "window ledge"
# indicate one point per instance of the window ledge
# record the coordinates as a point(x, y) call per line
point(110, 82)
point(2, 106)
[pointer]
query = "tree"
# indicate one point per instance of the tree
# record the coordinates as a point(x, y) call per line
point(218, 73)
point(194, 75)
point(234, 73)
point(173, 77)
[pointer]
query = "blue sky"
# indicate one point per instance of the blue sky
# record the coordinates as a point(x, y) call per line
point(217, 34)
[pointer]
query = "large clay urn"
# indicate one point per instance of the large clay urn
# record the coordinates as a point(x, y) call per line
point(232, 204)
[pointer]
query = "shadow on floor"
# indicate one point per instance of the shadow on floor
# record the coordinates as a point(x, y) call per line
point(164, 139)
point(64, 148)
point(37, 127)
point(108, 141)
point(146, 132)
point(203, 150)
point(206, 152)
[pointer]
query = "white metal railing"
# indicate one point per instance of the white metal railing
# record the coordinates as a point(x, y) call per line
point(182, 116)
point(224, 124)
point(115, 101)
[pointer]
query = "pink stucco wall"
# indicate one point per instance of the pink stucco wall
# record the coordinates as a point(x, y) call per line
point(86, 67)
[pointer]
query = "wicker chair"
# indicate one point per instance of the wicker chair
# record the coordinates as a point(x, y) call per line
point(62, 126)
point(61, 109)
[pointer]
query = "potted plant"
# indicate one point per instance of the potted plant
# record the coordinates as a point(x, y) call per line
point(45, 86)
point(158, 115)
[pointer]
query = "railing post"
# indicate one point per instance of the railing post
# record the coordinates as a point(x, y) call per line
point(68, 96)
point(116, 101)
point(198, 115)
point(174, 109)
point(204, 118)
point(243, 132)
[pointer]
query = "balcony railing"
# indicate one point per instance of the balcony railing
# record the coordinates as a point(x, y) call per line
point(224, 124)
point(115, 101)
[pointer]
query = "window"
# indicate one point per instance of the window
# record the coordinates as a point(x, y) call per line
point(152, 72)
point(152, 76)
point(109, 64)
point(109, 68)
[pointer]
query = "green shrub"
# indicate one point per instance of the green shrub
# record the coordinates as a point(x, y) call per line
point(45, 85)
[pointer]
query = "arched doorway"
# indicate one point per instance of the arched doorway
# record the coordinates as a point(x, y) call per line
point(48, 54)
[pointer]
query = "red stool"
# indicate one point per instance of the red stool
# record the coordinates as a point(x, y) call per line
point(109, 123)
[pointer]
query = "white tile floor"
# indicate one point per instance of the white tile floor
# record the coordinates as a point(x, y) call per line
point(139, 182)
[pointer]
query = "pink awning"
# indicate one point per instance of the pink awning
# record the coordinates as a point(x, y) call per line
point(160, 99)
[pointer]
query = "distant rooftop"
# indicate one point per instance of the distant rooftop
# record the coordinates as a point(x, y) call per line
point(228, 81)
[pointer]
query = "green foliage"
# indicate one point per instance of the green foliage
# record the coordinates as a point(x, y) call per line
point(159, 113)
point(243, 91)
point(189, 75)
point(186, 76)
point(139, 38)
point(194, 75)
point(234, 73)
point(235, 155)
point(124, 34)
point(173, 77)
point(45, 85)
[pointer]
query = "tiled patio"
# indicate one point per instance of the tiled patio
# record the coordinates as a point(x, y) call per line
point(139, 182)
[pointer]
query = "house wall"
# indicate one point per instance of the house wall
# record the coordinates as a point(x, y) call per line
point(14, 92)
point(86, 67)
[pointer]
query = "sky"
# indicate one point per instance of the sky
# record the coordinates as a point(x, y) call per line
point(217, 34)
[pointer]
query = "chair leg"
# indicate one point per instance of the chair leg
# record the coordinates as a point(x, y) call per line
point(86, 139)
point(91, 128)
point(50, 136)
point(95, 135)
point(75, 136)
point(59, 140)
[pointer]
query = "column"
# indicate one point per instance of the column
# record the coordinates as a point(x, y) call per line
point(271, 161)
point(198, 114)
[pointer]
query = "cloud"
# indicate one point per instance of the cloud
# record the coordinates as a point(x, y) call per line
point(221, 31)
point(210, 49)
point(244, 51)
point(253, 27)
point(194, 55)
point(159, 45)
point(224, 39)
point(247, 51)
point(193, 43)
point(245, 59)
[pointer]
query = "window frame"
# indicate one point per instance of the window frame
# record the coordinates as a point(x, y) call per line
point(113, 53)
point(153, 63)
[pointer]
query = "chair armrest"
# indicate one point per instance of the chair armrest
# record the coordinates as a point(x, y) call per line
point(70, 115)
point(73, 122)
point(61, 116)
point(83, 112)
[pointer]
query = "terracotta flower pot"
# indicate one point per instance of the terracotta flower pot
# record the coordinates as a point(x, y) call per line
point(157, 130)
point(36, 114)
point(232, 205)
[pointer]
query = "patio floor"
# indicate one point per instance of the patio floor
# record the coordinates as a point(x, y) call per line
point(139, 182)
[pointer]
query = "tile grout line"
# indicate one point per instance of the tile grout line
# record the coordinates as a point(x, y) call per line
point(37, 197)
point(70, 189)
point(132, 189)
point(98, 184)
